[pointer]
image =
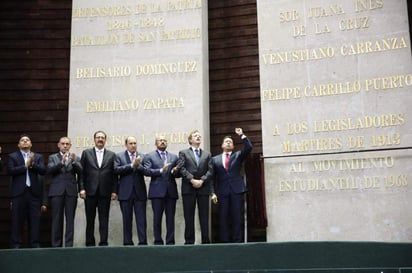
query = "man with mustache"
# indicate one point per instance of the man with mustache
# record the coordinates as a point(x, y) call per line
point(100, 187)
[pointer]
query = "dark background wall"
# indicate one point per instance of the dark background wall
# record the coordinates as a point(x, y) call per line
point(34, 87)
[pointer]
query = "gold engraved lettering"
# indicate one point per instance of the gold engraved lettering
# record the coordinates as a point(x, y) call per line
point(301, 55)
point(189, 66)
point(101, 40)
point(395, 181)
point(112, 106)
point(288, 16)
point(391, 82)
point(103, 72)
point(329, 89)
point(281, 94)
point(331, 10)
point(180, 34)
point(109, 11)
point(354, 23)
point(161, 103)
point(182, 5)
point(365, 122)
point(366, 5)
point(353, 164)
point(174, 137)
point(312, 145)
point(367, 47)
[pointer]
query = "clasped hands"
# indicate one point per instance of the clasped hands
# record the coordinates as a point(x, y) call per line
point(196, 183)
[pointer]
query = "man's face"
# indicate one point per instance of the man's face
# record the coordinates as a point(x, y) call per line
point(24, 143)
point(161, 143)
point(100, 140)
point(196, 139)
point(131, 144)
point(64, 145)
point(227, 145)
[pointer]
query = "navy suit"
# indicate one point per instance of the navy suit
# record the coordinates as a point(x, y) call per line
point(99, 183)
point(23, 197)
point(230, 187)
point(132, 194)
point(162, 193)
point(65, 182)
point(203, 170)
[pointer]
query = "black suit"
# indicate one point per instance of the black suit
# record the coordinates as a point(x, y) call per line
point(99, 183)
point(132, 195)
point(65, 182)
point(24, 197)
point(190, 169)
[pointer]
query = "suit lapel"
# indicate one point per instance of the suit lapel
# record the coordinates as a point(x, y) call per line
point(192, 155)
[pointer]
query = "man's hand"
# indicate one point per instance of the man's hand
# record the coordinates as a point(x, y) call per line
point(82, 194)
point(214, 198)
point(30, 160)
point(196, 183)
point(239, 131)
point(114, 196)
point(165, 166)
point(137, 161)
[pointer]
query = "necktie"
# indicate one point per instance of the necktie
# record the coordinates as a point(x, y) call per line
point(197, 156)
point(163, 156)
point(67, 162)
point(227, 161)
point(99, 158)
point(26, 157)
point(132, 157)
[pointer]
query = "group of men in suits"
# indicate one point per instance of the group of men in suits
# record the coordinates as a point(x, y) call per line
point(100, 176)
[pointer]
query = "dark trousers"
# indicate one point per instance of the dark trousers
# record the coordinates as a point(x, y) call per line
point(26, 206)
point(189, 206)
point(139, 207)
point(230, 208)
point(168, 206)
point(62, 206)
point(102, 204)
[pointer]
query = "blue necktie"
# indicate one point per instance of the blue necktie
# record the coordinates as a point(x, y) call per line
point(197, 153)
point(163, 156)
point(28, 183)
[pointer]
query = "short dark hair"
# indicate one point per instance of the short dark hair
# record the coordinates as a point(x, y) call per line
point(94, 136)
point(227, 137)
point(24, 135)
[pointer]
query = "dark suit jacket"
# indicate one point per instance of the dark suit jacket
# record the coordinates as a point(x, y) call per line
point(129, 176)
point(189, 169)
point(17, 169)
point(160, 183)
point(65, 178)
point(101, 179)
point(231, 180)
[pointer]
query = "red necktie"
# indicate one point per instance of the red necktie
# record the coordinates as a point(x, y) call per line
point(227, 161)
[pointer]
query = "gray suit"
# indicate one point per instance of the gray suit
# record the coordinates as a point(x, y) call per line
point(65, 182)
point(190, 169)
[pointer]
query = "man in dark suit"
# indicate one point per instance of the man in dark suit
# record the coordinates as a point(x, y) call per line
point(161, 166)
point(132, 192)
point(26, 169)
point(196, 168)
point(65, 182)
point(230, 186)
point(100, 187)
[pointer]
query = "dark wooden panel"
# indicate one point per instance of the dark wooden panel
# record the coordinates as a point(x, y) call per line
point(34, 82)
